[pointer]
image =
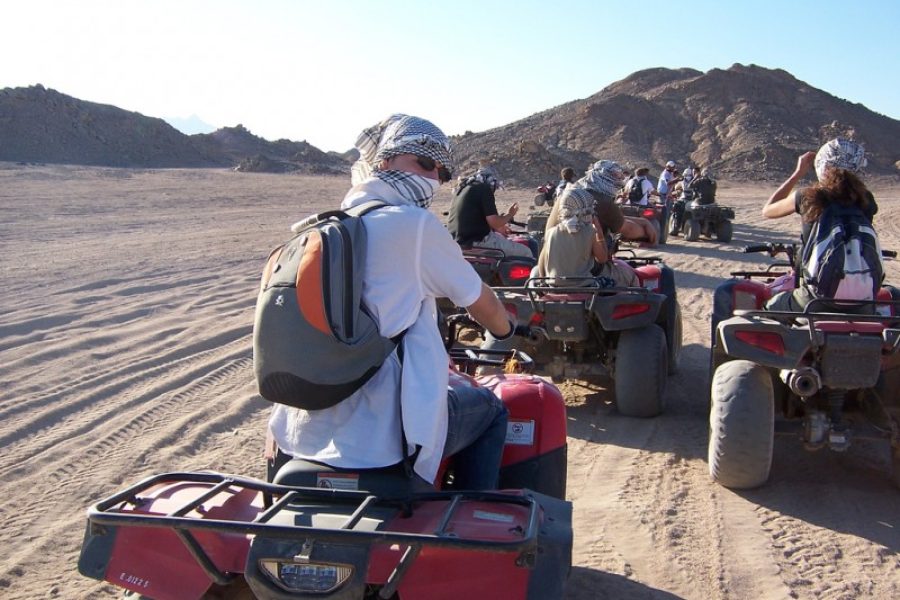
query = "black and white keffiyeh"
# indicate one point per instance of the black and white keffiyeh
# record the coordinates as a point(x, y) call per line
point(840, 153)
point(604, 176)
point(400, 134)
point(486, 175)
point(576, 209)
point(415, 189)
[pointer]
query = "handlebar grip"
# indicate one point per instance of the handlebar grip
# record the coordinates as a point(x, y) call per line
point(757, 248)
point(517, 223)
point(889, 253)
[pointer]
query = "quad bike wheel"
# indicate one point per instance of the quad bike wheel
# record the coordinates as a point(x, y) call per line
point(539, 199)
point(658, 232)
point(673, 338)
point(741, 425)
point(724, 231)
point(692, 230)
point(640, 372)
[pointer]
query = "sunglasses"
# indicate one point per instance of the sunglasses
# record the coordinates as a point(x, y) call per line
point(429, 164)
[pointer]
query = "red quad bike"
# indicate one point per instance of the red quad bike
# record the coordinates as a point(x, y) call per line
point(633, 332)
point(655, 212)
point(340, 534)
point(830, 376)
point(544, 194)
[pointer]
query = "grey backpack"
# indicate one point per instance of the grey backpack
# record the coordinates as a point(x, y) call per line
point(314, 342)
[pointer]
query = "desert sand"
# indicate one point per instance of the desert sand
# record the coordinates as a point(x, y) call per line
point(125, 350)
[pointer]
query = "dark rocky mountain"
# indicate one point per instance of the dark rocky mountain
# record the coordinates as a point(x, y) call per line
point(746, 122)
point(43, 125)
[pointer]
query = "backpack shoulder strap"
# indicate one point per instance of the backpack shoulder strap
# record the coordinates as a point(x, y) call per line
point(365, 208)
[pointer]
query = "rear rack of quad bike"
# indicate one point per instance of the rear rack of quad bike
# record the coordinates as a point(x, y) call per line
point(538, 289)
point(631, 257)
point(113, 512)
point(818, 323)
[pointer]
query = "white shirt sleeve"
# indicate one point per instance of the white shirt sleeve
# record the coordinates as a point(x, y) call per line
point(445, 273)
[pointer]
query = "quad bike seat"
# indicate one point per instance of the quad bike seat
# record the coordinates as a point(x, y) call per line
point(386, 481)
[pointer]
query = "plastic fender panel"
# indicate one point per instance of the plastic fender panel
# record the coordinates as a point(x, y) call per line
point(650, 276)
point(726, 213)
point(537, 415)
point(451, 573)
point(618, 312)
point(795, 341)
point(154, 561)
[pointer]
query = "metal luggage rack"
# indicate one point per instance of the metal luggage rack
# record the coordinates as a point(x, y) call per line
point(808, 318)
point(536, 289)
point(106, 512)
point(634, 259)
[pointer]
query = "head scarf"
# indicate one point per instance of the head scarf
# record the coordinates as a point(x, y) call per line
point(486, 175)
point(839, 153)
point(399, 134)
point(576, 209)
point(604, 176)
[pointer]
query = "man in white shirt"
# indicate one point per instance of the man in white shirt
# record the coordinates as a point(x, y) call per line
point(411, 261)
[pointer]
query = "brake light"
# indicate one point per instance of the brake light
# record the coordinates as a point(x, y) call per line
point(648, 213)
point(536, 319)
point(622, 311)
point(765, 340)
point(519, 272)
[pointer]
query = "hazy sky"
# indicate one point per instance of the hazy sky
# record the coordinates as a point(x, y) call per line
point(322, 70)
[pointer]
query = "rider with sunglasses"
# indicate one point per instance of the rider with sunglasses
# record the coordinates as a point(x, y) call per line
point(411, 261)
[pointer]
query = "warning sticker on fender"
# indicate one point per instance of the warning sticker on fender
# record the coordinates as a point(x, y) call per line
point(338, 481)
point(520, 433)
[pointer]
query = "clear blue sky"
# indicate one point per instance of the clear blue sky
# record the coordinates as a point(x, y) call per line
point(321, 70)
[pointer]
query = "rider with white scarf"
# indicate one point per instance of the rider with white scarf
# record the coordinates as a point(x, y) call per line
point(411, 261)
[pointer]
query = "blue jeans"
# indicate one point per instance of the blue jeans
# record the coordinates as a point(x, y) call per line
point(476, 433)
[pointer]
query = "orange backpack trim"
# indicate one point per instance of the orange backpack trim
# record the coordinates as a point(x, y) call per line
point(310, 296)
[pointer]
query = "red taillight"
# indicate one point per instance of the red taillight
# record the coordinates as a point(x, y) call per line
point(765, 340)
point(622, 311)
point(519, 272)
point(536, 319)
point(648, 213)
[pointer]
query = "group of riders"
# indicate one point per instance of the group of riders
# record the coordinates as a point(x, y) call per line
point(414, 259)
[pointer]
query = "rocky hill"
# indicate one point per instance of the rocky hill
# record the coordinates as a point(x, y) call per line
point(43, 125)
point(746, 122)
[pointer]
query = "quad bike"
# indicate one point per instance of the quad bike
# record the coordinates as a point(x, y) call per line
point(830, 376)
point(633, 332)
point(340, 534)
point(655, 212)
point(544, 194)
point(694, 219)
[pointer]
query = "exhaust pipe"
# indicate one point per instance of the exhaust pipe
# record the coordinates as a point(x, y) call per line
point(804, 381)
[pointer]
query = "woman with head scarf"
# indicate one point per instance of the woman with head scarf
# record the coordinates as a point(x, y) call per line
point(837, 165)
point(574, 246)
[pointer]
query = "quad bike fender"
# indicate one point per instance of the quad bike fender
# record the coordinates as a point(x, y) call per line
point(618, 312)
point(765, 342)
point(154, 561)
point(535, 453)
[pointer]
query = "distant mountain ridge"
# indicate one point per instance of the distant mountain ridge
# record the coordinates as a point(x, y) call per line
point(746, 122)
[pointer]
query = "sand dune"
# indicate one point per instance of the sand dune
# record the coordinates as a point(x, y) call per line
point(125, 351)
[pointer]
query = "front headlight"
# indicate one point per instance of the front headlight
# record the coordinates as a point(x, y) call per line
point(310, 578)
